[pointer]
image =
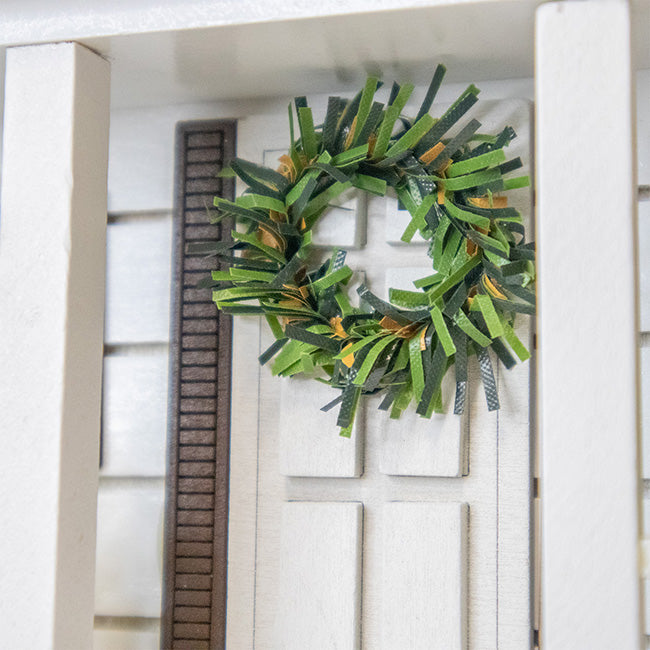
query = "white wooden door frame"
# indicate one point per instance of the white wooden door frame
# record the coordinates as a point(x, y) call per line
point(588, 385)
point(52, 251)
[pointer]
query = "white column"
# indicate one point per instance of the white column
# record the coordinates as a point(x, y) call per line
point(52, 259)
point(587, 326)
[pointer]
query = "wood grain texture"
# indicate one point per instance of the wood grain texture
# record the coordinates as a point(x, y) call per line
point(310, 444)
point(417, 446)
point(320, 576)
point(424, 600)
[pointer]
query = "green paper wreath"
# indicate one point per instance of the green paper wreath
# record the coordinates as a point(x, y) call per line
point(483, 267)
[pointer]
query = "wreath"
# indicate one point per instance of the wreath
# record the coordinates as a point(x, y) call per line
point(482, 266)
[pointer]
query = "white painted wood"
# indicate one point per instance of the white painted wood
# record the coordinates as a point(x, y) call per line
point(645, 563)
point(129, 548)
point(417, 446)
point(141, 161)
point(644, 264)
point(645, 411)
point(162, 46)
point(52, 249)
point(138, 280)
point(320, 576)
point(403, 277)
point(587, 333)
point(114, 638)
point(134, 419)
point(516, 530)
point(498, 602)
point(310, 444)
point(424, 576)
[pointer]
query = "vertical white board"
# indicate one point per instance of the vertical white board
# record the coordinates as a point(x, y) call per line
point(310, 444)
point(320, 578)
point(587, 348)
point(424, 576)
point(55, 150)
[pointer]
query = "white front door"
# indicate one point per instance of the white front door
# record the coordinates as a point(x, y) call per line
point(414, 533)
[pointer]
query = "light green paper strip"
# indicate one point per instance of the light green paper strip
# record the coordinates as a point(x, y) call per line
point(418, 221)
point(275, 326)
point(442, 331)
point(259, 201)
point(239, 275)
point(365, 104)
point(470, 180)
point(489, 159)
point(490, 315)
point(465, 215)
point(453, 279)
point(307, 133)
point(340, 275)
point(515, 342)
point(404, 298)
point(319, 202)
point(371, 358)
point(391, 115)
point(358, 345)
point(516, 183)
point(253, 241)
point(412, 136)
point(417, 369)
point(468, 327)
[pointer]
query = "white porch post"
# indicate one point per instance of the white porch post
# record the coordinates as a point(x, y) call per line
point(587, 327)
point(52, 251)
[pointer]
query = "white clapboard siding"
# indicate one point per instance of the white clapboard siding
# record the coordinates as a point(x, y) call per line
point(320, 579)
point(134, 416)
point(129, 549)
point(138, 277)
point(310, 444)
point(417, 446)
point(587, 349)
point(115, 638)
point(424, 576)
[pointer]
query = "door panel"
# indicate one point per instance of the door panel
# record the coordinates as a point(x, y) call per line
point(310, 444)
point(446, 502)
point(424, 605)
point(320, 576)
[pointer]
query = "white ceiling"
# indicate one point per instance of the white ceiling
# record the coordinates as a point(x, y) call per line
point(188, 51)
